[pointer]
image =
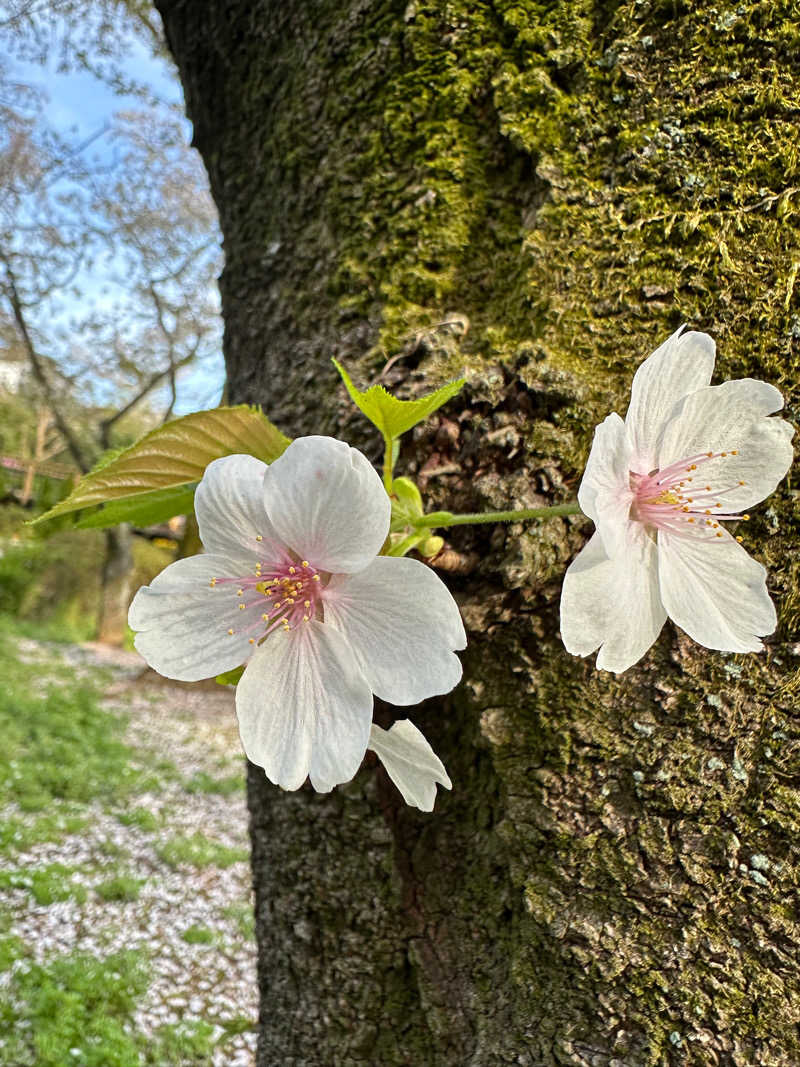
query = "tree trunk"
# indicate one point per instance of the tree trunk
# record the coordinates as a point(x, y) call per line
point(539, 193)
point(115, 590)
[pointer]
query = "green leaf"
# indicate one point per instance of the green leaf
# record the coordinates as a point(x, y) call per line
point(394, 417)
point(144, 509)
point(230, 677)
point(175, 454)
point(406, 503)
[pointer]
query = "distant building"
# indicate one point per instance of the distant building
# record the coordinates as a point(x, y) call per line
point(13, 371)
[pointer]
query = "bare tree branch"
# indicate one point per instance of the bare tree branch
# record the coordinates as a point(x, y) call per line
point(38, 367)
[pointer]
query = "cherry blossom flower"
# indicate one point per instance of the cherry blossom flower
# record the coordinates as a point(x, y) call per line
point(291, 584)
point(658, 486)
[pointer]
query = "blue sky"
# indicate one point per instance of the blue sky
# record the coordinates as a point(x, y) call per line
point(78, 105)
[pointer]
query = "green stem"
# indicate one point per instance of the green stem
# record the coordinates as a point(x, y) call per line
point(388, 464)
point(442, 519)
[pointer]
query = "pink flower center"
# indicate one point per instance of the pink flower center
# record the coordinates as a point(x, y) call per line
point(677, 498)
point(289, 594)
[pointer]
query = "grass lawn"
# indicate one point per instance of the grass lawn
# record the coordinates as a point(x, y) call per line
point(101, 828)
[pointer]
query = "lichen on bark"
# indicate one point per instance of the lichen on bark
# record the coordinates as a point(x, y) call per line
point(539, 193)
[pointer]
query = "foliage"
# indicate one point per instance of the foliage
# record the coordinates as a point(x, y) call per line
point(170, 458)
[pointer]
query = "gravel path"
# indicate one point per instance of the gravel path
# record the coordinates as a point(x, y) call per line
point(212, 975)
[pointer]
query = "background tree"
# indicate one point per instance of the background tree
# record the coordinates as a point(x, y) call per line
point(108, 255)
point(613, 880)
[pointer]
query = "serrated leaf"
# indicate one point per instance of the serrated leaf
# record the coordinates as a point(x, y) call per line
point(394, 417)
point(176, 454)
point(144, 509)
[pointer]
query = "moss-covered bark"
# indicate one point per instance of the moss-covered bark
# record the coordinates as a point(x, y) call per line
point(538, 192)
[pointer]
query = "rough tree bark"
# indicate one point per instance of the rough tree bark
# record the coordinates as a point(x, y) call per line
point(539, 192)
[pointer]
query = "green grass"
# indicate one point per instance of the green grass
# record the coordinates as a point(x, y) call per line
point(242, 914)
point(120, 887)
point(199, 935)
point(18, 834)
point(74, 1002)
point(186, 1044)
point(47, 884)
point(142, 818)
point(202, 782)
point(197, 850)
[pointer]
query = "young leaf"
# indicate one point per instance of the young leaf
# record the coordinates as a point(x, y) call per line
point(230, 677)
point(144, 509)
point(175, 454)
point(394, 417)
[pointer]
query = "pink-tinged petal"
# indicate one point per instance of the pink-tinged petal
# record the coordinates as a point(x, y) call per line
point(715, 592)
point(682, 364)
point(304, 708)
point(410, 762)
point(402, 624)
point(229, 504)
point(726, 418)
point(183, 621)
point(328, 504)
point(612, 604)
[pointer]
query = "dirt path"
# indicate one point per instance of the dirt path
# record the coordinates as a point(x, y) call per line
point(183, 847)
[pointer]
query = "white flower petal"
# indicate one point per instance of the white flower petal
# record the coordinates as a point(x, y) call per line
point(715, 592)
point(608, 466)
point(304, 707)
point(612, 604)
point(328, 504)
point(682, 364)
point(410, 762)
point(720, 418)
point(183, 623)
point(229, 504)
point(402, 624)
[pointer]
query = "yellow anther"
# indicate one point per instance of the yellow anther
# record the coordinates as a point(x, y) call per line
point(293, 570)
point(718, 505)
point(690, 499)
point(259, 537)
point(745, 517)
point(213, 582)
point(684, 508)
point(251, 640)
point(230, 632)
point(710, 454)
point(693, 467)
point(742, 483)
point(241, 607)
point(707, 512)
point(690, 520)
point(734, 451)
point(303, 562)
point(709, 522)
point(723, 453)
point(239, 592)
point(315, 578)
point(689, 479)
point(740, 539)
point(265, 617)
point(719, 535)
point(306, 603)
point(305, 618)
